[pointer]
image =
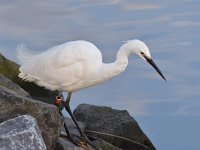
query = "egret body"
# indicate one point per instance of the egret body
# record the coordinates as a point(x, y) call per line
point(78, 64)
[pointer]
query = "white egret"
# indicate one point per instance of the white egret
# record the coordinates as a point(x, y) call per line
point(78, 64)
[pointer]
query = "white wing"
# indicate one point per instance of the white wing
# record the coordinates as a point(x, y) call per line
point(56, 68)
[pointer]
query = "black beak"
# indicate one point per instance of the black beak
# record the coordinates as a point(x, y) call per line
point(151, 62)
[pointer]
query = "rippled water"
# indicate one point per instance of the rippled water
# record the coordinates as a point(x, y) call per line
point(169, 111)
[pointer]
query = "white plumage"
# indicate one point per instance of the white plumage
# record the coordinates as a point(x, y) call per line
point(77, 64)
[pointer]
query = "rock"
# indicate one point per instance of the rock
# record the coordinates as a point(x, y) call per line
point(126, 131)
point(21, 133)
point(105, 145)
point(11, 70)
point(72, 127)
point(5, 82)
point(65, 144)
point(47, 116)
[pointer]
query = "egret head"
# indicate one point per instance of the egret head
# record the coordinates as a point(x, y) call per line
point(140, 49)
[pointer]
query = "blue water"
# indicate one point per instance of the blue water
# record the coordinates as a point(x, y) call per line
point(168, 112)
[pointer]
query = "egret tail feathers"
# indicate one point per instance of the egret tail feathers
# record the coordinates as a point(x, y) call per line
point(23, 53)
point(26, 77)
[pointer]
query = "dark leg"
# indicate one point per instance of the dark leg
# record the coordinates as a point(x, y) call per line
point(84, 137)
point(66, 129)
point(60, 103)
point(67, 107)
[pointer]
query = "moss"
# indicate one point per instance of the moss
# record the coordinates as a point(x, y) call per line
point(8, 68)
point(105, 147)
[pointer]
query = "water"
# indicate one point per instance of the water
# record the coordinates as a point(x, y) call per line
point(168, 112)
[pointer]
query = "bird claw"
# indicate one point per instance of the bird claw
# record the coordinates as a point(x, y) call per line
point(81, 142)
point(87, 142)
point(84, 145)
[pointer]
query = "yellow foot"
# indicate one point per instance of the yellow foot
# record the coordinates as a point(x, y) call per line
point(84, 145)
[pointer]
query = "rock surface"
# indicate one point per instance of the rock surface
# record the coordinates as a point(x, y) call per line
point(21, 133)
point(72, 127)
point(126, 131)
point(7, 83)
point(105, 145)
point(64, 144)
point(47, 116)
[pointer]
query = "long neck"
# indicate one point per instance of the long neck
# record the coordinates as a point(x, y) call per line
point(118, 66)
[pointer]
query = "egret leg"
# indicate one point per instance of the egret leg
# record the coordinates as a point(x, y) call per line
point(67, 107)
point(60, 103)
point(83, 136)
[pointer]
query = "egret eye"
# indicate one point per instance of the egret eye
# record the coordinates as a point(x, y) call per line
point(142, 53)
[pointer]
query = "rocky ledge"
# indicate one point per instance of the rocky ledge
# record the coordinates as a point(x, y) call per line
point(12, 105)
point(114, 126)
point(21, 133)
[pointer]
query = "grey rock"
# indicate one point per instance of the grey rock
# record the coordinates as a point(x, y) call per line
point(105, 145)
point(47, 116)
point(65, 144)
point(72, 127)
point(21, 133)
point(7, 83)
point(117, 126)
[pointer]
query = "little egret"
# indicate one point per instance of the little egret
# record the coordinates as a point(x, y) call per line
point(78, 64)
